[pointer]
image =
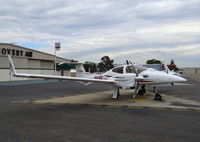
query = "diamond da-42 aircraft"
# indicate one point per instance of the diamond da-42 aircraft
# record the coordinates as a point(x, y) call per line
point(128, 76)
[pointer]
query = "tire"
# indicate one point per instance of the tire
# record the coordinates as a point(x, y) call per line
point(140, 92)
point(158, 97)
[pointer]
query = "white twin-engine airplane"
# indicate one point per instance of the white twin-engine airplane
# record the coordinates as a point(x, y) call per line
point(129, 76)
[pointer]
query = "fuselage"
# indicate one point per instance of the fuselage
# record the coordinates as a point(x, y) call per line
point(125, 76)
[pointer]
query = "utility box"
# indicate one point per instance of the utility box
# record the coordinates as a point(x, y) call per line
point(73, 73)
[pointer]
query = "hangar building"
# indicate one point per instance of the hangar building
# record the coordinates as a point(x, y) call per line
point(27, 61)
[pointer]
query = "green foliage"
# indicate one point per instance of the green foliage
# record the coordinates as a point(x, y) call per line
point(90, 66)
point(105, 64)
point(153, 61)
point(172, 66)
point(172, 62)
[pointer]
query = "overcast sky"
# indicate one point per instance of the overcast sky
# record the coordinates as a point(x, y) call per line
point(136, 30)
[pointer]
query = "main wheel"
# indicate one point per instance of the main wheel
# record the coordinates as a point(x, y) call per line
point(140, 92)
point(143, 89)
point(158, 97)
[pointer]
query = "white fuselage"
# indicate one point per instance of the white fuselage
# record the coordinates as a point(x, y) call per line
point(125, 77)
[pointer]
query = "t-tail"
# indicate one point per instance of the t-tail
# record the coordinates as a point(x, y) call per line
point(12, 67)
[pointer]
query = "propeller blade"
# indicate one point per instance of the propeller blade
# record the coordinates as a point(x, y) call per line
point(135, 70)
point(136, 88)
point(137, 79)
point(137, 84)
point(127, 62)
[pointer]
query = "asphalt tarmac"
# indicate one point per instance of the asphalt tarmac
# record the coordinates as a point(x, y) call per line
point(26, 121)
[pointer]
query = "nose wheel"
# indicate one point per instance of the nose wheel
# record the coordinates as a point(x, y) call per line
point(142, 90)
point(158, 97)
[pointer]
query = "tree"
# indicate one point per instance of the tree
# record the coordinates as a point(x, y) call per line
point(172, 62)
point(153, 61)
point(105, 64)
point(173, 66)
point(90, 66)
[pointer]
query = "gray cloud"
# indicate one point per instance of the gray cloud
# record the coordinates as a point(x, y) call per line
point(89, 29)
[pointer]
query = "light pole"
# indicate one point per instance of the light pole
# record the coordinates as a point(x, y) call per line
point(57, 48)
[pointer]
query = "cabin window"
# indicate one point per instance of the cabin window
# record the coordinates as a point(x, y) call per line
point(118, 70)
point(130, 69)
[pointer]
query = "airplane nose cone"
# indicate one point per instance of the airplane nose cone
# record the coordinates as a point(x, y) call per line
point(178, 79)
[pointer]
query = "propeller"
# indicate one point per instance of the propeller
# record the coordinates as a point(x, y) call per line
point(137, 79)
point(127, 62)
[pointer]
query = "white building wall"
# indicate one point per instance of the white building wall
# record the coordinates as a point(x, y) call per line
point(38, 63)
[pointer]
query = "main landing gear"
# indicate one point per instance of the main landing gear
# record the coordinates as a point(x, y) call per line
point(158, 97)
point(142, 90)
point(116, 93)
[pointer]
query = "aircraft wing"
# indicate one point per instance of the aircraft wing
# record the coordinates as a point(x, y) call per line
point(12, 68)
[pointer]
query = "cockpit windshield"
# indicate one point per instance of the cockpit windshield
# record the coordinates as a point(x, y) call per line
point(134, 69)
point(139, 68)
point(129, 69)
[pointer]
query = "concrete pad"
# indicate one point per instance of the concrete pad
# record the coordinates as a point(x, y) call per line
point(104, 98)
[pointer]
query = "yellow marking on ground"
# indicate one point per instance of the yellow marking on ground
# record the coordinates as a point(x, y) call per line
point(158, 108)
point(141, 101)
point(121, 99)
point(180, 109)
point(140, 107)
point(41, 102)
point(75, 104)
point(21, 101)
point(145, 97)
point(198, 109)
point(41, 98)
point(52, 97)
point(113, 106)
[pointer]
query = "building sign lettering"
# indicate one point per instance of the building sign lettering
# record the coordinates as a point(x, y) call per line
point(15, 52)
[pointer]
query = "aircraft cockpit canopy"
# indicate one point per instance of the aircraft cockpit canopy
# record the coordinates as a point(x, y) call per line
point(129, 69)
point(139, 68)
point(118, 70)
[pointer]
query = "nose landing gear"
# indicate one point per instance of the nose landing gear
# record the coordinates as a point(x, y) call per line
point(140, 92)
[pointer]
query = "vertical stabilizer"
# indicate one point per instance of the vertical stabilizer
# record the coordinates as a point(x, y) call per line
point(12, 67)
point(80, 68)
